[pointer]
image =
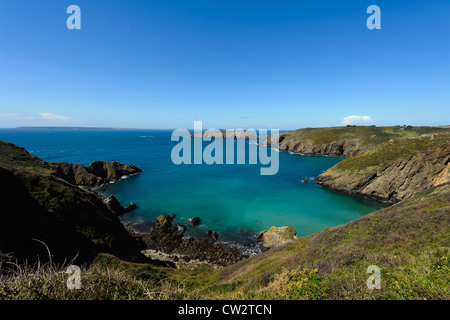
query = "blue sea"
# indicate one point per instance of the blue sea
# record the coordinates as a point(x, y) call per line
point(234, 200)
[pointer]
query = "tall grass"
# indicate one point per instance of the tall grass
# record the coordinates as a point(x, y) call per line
point(48, 281)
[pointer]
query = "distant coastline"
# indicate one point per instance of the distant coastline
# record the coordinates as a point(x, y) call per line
point(75, 128)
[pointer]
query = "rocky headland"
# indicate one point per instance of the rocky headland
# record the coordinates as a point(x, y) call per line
point(96, 174)
point(343, 141)
point(393, 171)
point(385, 163)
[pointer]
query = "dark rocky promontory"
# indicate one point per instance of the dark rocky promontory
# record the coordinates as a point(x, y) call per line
point(44, 207)
point(97, 173)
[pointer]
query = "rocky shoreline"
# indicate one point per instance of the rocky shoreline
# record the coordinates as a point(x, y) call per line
point(168, 239)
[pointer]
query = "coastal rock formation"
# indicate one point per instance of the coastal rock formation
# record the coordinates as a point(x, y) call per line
point(114, 205)
point(214, 235)
point(169, 239)
point(109, 171)
point(97, 173)
point(343, 141)
point(163, 222)
point(277, 236)
point(398, 180)
point(342, 148)
point(76, 174)
point(195, 221)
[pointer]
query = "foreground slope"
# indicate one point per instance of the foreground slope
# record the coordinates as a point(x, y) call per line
point(409, 242)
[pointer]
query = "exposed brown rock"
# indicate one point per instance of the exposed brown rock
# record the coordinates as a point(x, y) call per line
point(114, 205)
point(342, 148)
point(195, 221)
point(169, 239)
point(97, 173)
point(278, 236)
point(398, 180)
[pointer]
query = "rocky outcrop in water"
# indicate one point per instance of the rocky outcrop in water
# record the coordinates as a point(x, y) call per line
point(277, 236)
point(398, 180)
point(195, 221)
point(97, 173)
point(114, 205)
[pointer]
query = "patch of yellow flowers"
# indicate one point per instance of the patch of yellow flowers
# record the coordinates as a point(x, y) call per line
point(299, 277)
point(443, 263)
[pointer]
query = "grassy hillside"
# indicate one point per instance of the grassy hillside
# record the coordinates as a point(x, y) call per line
point(394, 170)
point(19, 158)
point(369, 135)
point(394, 149)
point(409, 242)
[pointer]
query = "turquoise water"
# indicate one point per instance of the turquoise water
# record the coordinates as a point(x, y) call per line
point(234, 200)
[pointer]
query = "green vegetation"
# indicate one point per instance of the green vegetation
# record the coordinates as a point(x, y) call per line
point(18, 158)
point(367, 135)
point(392, 150)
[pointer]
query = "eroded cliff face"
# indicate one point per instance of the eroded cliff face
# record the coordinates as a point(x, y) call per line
point(346, 147)
point(398, 180)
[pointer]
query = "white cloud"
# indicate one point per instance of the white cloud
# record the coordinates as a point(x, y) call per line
point(51, 116)
point(356, 119)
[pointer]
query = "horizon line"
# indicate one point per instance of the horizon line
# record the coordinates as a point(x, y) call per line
point(120, 128)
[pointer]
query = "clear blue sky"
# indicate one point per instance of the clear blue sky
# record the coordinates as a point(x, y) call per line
point(233, 63)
